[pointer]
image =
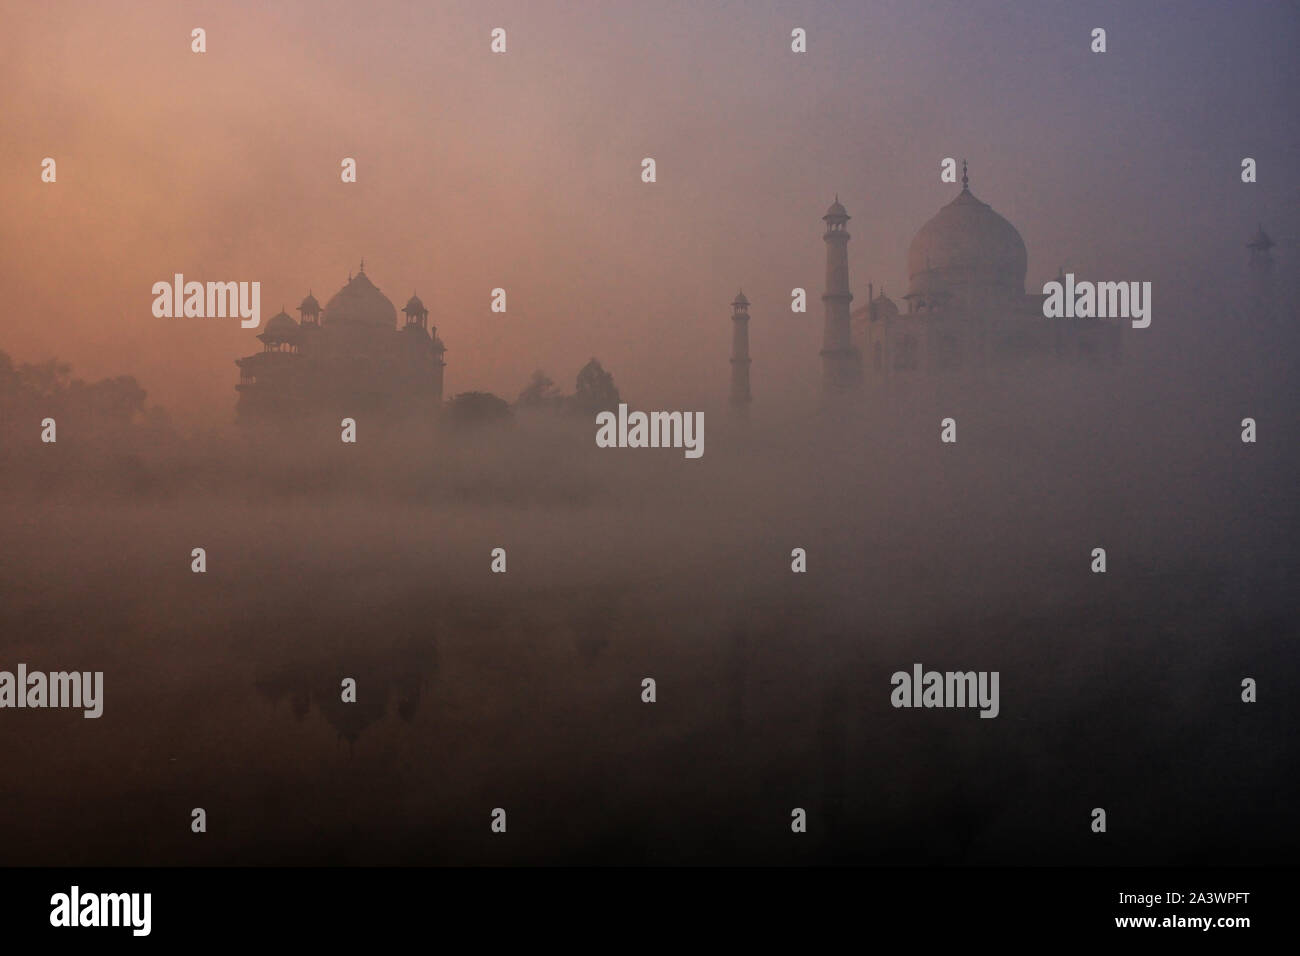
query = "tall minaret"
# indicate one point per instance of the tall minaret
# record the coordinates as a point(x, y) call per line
point(1261, 273)
point(740, 397)
point(1259, 247)
point(841, 363)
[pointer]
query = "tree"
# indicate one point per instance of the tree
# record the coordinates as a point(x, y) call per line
point(476, 408)
point(44, 380)
point(118, 399)
point(595, 391)
point(539, 392)
point(48, 388)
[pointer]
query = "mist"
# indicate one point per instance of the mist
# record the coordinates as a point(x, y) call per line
point(523, 690)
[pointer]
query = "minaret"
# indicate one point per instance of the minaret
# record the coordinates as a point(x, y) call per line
point(1261, 272)
point(740, 397)
point(439, 350)
point(841, 363)
point(1260, 256)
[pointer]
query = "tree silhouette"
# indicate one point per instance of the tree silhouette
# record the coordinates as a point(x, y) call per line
point(540, 392)
point(595, 391)
point(476, 408)
point(47, 388)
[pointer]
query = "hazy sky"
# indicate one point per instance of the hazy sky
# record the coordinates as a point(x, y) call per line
point(523, 171)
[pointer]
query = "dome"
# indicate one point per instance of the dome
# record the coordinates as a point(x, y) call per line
point(414, 306)
point(836, 211)
point(881, 307)
point(281, 327)
point(741, 302)
point(360, 302)
point(309, 305)
point(967, 247)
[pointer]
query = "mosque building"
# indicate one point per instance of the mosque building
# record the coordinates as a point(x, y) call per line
point(350, 358)
point(965, 308)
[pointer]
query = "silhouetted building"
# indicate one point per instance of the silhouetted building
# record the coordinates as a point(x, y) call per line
point(347, 359)
point(966, 306)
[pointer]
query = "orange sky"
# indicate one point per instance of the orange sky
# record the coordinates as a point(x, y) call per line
point(522, 171)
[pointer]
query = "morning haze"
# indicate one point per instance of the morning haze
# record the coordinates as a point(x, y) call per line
point(521, 171)
point(480, 687)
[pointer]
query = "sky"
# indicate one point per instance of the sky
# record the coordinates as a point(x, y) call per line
point(522, 170)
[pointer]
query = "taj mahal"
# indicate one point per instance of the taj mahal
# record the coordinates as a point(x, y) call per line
point(965, 309)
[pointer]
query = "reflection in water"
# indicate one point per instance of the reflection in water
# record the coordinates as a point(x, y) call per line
point(319, 683)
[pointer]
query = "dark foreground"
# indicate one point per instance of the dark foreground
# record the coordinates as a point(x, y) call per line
point(522, 691)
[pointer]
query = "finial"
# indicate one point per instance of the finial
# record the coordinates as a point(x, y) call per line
point(363, 265)
point(965, 180)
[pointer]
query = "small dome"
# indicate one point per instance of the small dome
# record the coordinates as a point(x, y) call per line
point(360, 302)
point(281, 327)
point(741, 302)
point(836, 211)
point(414, 306)
point(881, 307)
point(309, 305)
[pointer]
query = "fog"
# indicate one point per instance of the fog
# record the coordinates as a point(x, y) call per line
point(523, 690)
point(522, 171)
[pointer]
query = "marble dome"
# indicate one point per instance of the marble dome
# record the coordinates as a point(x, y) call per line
point(967, 247)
